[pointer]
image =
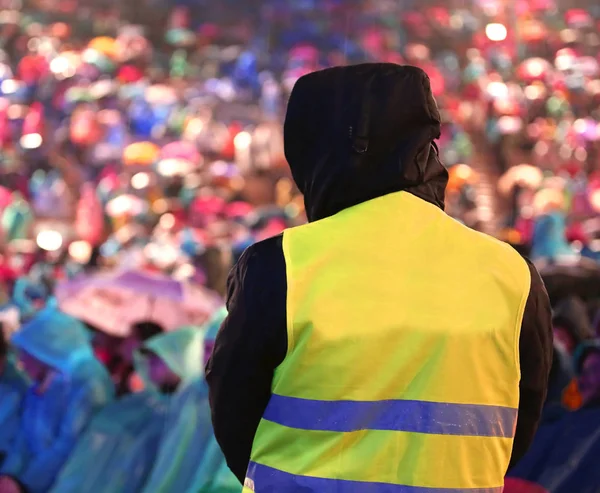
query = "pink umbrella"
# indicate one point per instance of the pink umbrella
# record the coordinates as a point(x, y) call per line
point(181, 150)
point(113, 302)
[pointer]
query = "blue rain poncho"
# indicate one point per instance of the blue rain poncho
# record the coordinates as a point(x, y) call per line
point(549, 238)
point(13, 386)
point(24, 292)
point(189, 459)
point(116, 453)
point(52, 420)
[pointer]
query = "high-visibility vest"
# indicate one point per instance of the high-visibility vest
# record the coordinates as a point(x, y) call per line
point(402, 370)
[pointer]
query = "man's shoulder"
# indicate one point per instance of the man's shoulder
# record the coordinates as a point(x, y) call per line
point(482, 241)
point(261, 264)
point(486, 254)
point(262, 252)
point(266, 246)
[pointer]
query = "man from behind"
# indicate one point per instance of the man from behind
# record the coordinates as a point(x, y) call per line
point(382, 347)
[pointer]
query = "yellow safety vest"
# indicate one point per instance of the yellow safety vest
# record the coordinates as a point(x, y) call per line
point(402, 371)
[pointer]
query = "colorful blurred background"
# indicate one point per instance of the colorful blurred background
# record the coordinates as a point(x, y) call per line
point(141, 152)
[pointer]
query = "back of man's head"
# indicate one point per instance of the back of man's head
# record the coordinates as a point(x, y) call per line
point(359, 129)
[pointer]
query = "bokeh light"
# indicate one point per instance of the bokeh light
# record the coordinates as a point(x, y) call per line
point(496, 32)
point(49, 240)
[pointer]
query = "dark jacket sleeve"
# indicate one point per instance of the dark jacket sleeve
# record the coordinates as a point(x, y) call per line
point(536, 350)
point(251, 343)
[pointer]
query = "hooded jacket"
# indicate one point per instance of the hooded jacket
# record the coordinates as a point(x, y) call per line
point(351, 134)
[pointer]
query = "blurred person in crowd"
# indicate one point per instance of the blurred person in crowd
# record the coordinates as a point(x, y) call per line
point(379, 315)
point(29, 297)
point(122, 365)
point(549, 242)
point(69, 385)
point(214, 261)
point(188, 459)
point(117, 452)
point(562, 385)
point(13, 385)
point(588, 368)
point(104, 346)
point(571, 324)
point(563, 282)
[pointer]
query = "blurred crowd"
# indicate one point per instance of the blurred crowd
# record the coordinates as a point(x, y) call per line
point(74, 420)
point(141, 153)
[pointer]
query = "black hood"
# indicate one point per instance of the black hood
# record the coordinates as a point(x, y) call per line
point(356, 133)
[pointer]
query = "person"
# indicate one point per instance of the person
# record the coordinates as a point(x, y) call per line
point(587, 360)
point(571, 324)
point(383, 345)
point(68, 387)
point(29, 297)
point(13, 386)
point(118, 449)
point(122, 367)
point(549, 242)
point(188, 458)
point(564, 456)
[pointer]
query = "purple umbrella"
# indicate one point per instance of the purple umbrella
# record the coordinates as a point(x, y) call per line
point(114, 301)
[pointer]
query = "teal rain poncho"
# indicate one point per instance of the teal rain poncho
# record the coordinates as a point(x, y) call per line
point(214, 324)
point(13, 386)
point(189, 461)
point(117, 452)
point(53, 419)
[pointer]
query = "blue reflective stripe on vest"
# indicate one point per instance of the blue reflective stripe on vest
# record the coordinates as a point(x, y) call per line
point(263, 479)
point(393, 415)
